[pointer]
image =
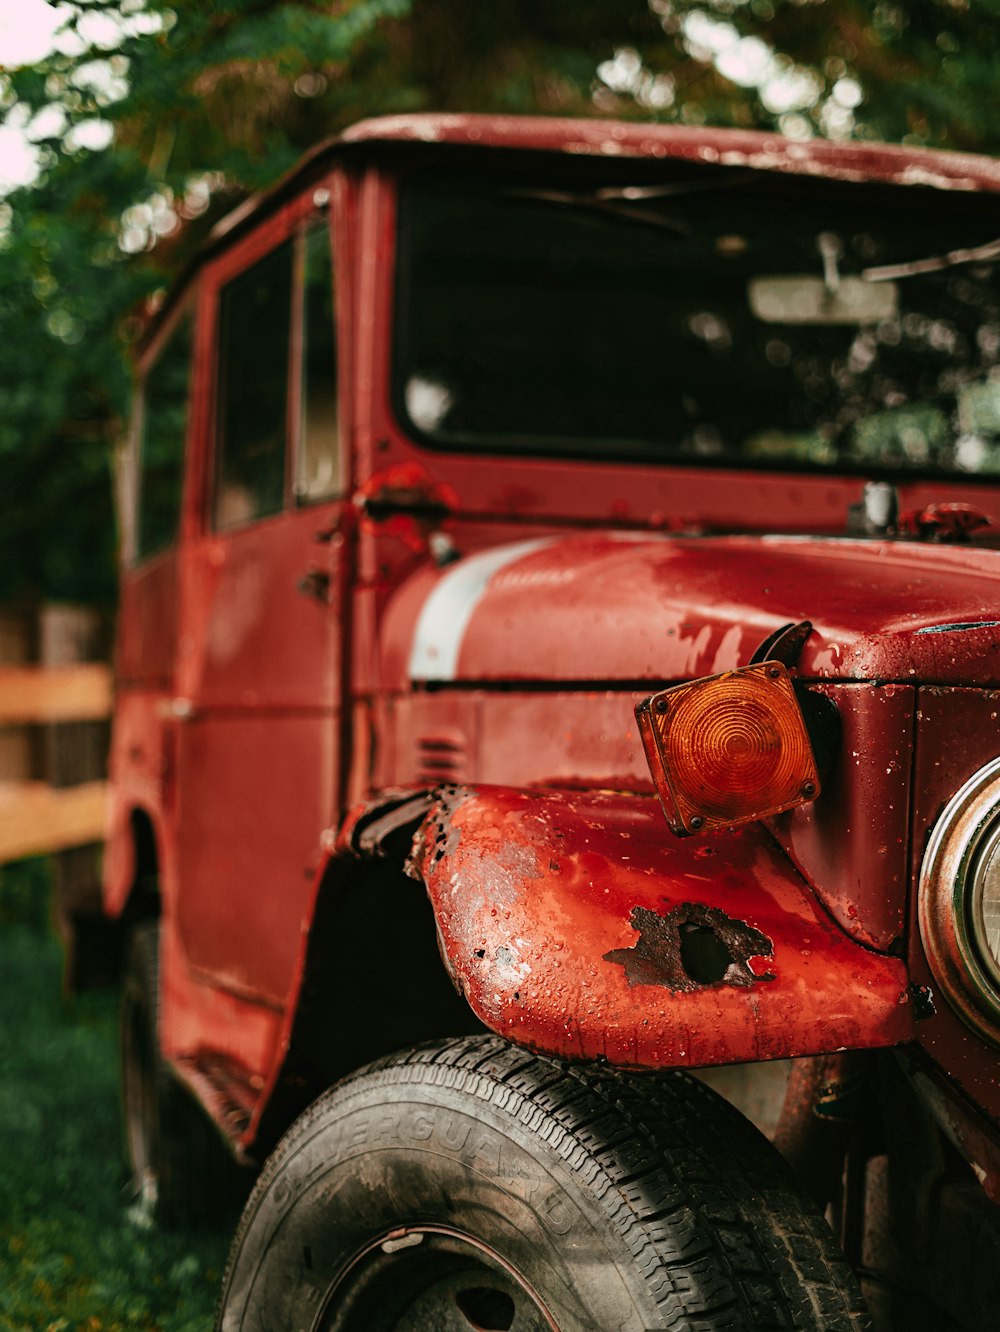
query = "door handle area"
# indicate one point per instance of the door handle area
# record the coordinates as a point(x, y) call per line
point(178, 709)
point(315, 583)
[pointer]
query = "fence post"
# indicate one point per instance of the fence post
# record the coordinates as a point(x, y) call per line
point(19, 760)
point(75, 753)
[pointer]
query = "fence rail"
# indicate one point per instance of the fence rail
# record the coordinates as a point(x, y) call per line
point(35, 817)
point(54, 693)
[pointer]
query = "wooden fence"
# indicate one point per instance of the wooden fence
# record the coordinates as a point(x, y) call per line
point(50, 797)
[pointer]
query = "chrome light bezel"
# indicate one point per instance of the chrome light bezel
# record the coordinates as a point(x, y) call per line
point(951, 927)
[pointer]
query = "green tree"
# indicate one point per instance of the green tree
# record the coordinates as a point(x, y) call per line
point(148, 120)
point(917, 71)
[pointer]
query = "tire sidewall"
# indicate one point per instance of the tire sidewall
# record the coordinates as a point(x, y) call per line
point(366, 1161)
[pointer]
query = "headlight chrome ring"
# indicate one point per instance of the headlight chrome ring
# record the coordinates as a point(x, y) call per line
point(959, 902)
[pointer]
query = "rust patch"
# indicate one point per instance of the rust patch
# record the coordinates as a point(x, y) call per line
point(396, 812)
point(435, 838)
point(690, 948)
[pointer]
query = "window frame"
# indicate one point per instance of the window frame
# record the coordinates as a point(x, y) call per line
point(310, 227)
point(292, 224)
point(130, 472)
point(217, 433)
point(398, 293)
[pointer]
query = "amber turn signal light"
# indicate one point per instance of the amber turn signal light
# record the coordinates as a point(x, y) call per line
point(728, 749)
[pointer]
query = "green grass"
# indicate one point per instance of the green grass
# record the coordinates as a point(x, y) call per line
point(71, 1260)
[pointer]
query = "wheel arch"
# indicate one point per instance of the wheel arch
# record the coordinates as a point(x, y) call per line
point(372, 978)
point(94, 930)
point(137, 894)
point(95, 940)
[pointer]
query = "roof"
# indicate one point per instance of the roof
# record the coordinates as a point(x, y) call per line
point(722, 147)
point(750, 149)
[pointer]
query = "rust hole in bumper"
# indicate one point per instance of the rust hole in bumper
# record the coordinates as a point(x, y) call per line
point(690, 947)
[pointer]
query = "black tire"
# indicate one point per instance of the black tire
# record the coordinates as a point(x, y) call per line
point(182, 1171)
point(468, 1185)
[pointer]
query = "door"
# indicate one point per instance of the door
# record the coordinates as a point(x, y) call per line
point(259, 656)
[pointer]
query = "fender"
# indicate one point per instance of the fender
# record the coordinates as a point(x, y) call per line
point(576, 926)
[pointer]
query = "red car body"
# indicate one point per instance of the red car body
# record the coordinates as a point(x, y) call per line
point(438, 663)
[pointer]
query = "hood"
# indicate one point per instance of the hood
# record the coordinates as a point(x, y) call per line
point(611, 608)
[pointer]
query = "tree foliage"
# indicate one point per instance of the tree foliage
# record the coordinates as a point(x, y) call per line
point(152, 116)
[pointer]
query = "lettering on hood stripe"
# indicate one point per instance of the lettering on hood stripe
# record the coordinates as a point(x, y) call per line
point(446, 613)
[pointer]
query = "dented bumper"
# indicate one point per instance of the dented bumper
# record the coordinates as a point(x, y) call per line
point(575, 925)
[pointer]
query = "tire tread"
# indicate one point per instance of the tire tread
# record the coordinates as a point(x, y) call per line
point(716, 1223)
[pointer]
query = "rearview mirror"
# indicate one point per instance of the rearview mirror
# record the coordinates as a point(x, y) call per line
point(808, 300)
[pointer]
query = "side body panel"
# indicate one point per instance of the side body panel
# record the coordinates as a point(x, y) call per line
point(147, 640)
point(235, 755)
point(143, 760)
point(258, 685)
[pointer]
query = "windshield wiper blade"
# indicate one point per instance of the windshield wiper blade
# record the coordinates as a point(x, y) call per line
point(889, 272)
point(594, 203)
point(617, 200)
point(677, 188)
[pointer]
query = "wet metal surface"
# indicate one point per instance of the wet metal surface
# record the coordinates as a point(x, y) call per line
point(575, 924)
point(612, 606)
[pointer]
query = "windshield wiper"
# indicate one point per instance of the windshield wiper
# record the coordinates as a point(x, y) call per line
point(889, 272)
point(677, 188)
point(594, 203)
point(618, 200)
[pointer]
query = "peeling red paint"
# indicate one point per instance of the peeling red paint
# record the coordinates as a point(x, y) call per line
point(534, 892)
point(677, 608)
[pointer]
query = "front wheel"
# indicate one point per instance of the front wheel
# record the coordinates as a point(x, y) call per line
point(468, 1186)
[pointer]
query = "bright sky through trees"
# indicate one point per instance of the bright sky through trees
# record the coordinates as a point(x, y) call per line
point(30, 31)
point(26, 28)
point(26, 31)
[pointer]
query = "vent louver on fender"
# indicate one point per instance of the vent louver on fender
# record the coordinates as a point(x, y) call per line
point(440, 758)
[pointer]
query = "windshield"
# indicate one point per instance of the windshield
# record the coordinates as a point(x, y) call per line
point(701, 315)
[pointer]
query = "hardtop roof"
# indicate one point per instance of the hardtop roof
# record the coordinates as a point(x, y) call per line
point(747, 149)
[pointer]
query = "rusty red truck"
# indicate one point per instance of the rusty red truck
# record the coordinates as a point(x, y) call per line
point(559, 648)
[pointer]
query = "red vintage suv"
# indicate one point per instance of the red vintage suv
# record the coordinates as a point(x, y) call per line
point(560, 649)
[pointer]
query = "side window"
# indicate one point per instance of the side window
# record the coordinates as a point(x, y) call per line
point(161, 443)
point(254, 328)
point(318, 459)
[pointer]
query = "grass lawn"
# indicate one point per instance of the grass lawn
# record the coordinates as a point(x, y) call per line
point(70, 1258)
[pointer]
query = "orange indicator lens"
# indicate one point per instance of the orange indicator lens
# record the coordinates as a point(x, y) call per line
point(728, 749)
